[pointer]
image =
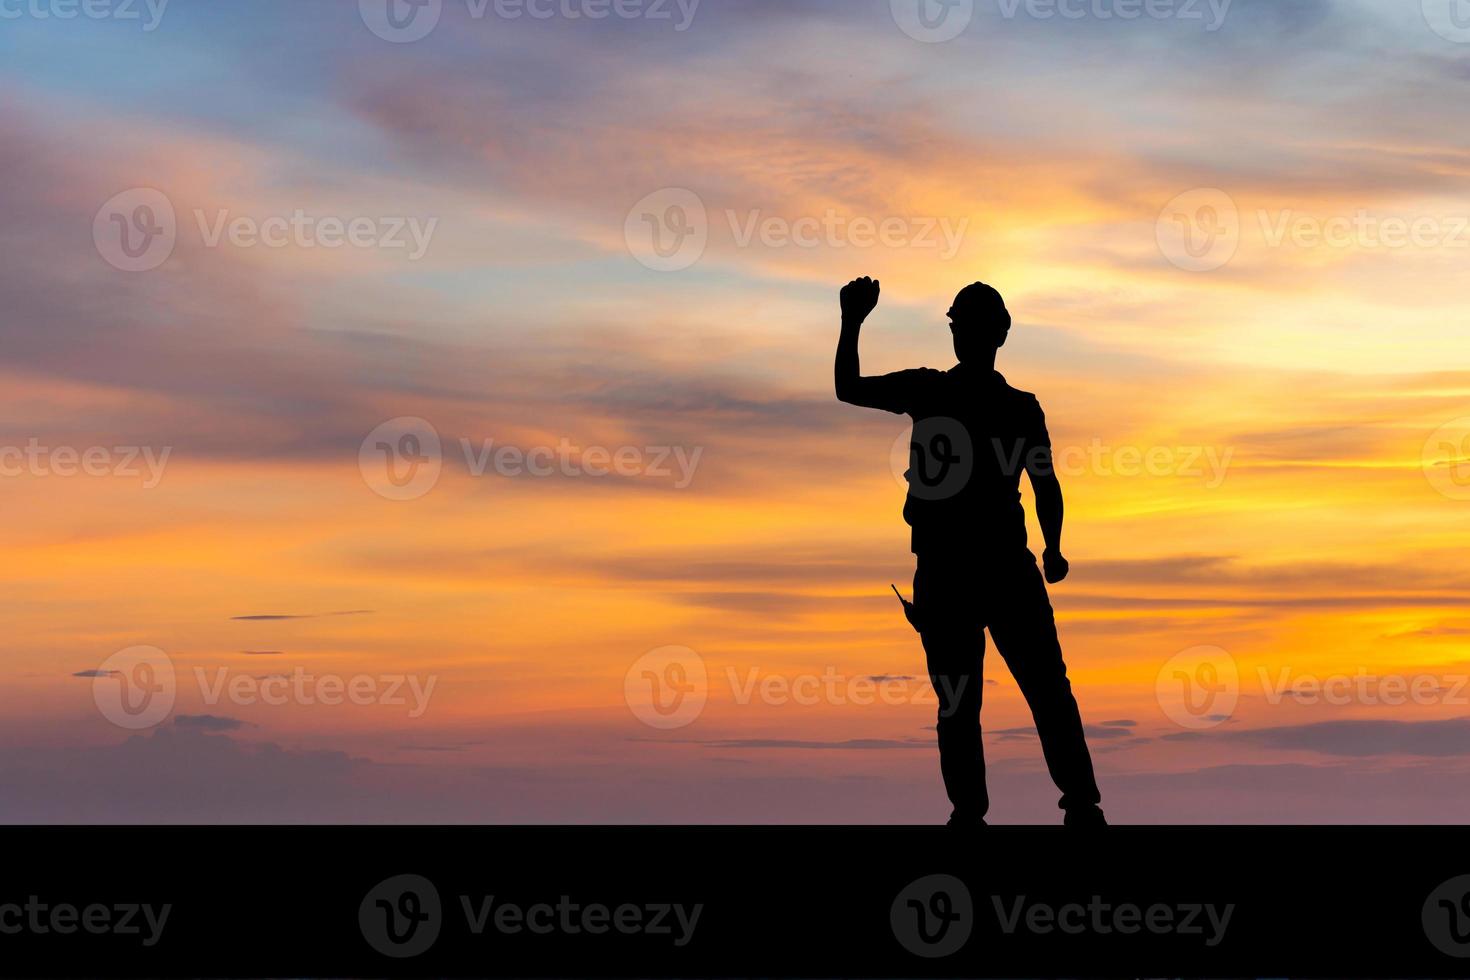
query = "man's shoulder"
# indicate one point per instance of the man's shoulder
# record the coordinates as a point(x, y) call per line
point(921, 377)
point(1026, 398)
point(1025, 408)
point(961, 383)
point(1018, 395)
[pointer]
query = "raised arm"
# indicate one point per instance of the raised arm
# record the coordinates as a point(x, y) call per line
point(859, 297)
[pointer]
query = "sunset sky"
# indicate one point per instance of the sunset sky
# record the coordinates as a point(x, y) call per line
point(1257, 410)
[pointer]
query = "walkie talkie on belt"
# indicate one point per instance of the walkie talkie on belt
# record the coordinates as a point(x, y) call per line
point(908, 607)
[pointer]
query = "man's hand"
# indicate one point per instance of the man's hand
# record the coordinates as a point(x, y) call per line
point(858, 299)
point(1054, 566)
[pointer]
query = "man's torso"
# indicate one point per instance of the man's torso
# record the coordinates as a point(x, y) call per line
point(973, 437)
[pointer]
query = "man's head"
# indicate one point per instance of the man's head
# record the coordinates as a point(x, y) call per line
point(979, 321)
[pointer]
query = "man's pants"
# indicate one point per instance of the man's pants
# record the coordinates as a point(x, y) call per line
point(955, 599)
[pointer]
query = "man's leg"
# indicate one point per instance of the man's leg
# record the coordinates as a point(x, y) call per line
point(1025, 632)
point(954, 645)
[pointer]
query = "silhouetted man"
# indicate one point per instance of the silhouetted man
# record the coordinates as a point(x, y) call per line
point(973, 435)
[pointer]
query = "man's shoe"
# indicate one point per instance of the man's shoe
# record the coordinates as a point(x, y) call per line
point(961, 820)
point(1091, 816)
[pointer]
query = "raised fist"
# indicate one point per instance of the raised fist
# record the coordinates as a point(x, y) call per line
point(1054, 566)
point(858, 299)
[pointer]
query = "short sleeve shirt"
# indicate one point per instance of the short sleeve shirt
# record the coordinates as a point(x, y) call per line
point(974, 435)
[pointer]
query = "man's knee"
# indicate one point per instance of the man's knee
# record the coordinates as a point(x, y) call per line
point(958, 724)
point(1043, 681)
point(956, 693)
